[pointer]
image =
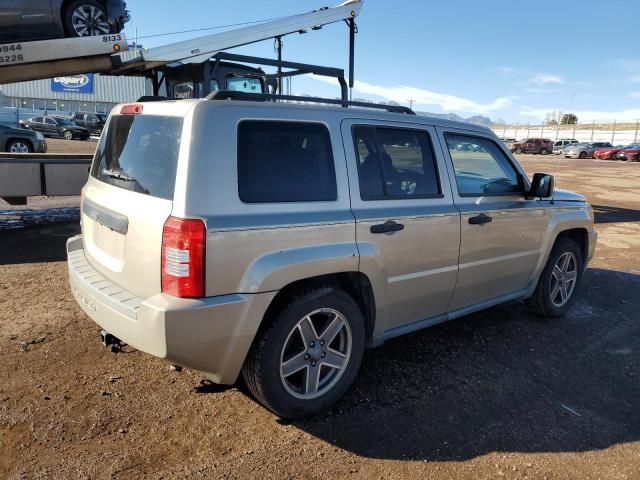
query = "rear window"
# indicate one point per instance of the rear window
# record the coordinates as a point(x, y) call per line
point(140, 153)
point(285, 162)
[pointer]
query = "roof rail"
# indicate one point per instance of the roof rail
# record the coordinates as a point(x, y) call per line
point(265, 97)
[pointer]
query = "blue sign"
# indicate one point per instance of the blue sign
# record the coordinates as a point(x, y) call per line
point(73, 83)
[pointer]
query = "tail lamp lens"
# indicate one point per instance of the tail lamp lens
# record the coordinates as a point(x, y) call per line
point(183, 256)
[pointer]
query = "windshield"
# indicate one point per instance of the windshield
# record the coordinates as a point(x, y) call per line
point(140, 153)
point(102, 117)
point(63, 121)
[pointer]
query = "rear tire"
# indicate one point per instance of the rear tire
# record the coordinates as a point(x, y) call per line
point(85, 18)
point(289, 375)
point(582, 155)
point(558, 286)
point(68, 135)
point(518, 150)
point(543, 151)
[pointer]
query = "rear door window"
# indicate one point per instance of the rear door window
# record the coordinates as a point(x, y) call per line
point(395, 163)
point(285, 162)
point(140, 153)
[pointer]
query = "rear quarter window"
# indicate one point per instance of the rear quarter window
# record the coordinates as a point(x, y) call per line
point(285, 162)
point(140, 153)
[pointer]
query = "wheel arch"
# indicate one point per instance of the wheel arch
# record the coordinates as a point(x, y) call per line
point(356, 284)
point(573, 224)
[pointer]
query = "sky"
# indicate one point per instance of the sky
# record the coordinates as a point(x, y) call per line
point(509, 60)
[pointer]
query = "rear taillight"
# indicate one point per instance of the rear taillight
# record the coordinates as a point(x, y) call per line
point(183, 256)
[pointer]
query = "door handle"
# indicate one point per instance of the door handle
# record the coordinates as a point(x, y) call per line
point(480, 219)
point(387, 227)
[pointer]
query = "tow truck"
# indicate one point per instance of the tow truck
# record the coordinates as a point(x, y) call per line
point(203, 61)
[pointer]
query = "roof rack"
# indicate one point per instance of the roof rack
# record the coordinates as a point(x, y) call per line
point(265, 97)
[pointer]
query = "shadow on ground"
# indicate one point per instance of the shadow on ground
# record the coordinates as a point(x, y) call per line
point(500, 380)
point(609, 214)
point(36, 244)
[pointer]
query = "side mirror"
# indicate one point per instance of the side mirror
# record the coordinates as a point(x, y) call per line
point(541, 186)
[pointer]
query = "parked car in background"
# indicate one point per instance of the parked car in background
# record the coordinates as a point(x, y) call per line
point(584, 150)
point(56, 127)
point(611, 153)
point(19, 140)
point(559, 145)
point(26, 20)
point(94, 122)
point(630, 154)
point(543, 146)
point(507, 140)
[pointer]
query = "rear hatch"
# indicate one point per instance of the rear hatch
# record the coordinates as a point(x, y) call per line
point(129, 197)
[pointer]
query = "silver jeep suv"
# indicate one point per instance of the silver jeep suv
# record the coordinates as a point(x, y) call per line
point(276, 241)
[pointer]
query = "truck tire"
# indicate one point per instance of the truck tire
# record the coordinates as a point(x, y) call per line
point(85, 18)
point(559, 281)
point(295, 371)
point(518, 150)
point(68, 135)
point(543, 151)
point(17, 145)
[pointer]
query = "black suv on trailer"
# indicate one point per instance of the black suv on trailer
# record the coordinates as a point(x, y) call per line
point(26, 20)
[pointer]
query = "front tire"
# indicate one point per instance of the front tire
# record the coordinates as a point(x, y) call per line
point(582, 155)
point(518, 151)
point(68, 135)
point(19, 146)
point(559, 281)
point(543, 151)
point(308, 356)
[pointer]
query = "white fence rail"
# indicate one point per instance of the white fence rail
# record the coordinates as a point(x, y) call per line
point(615, 136)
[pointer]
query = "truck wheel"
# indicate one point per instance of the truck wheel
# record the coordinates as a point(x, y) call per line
point(543, 151)
point(583, 155)
point(559, 281)
point(518, 150)
point(19, 146)
point(85, 18)
point(308, 356)
point(68, 135)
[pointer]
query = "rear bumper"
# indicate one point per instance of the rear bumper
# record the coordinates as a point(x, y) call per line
point(212, 335)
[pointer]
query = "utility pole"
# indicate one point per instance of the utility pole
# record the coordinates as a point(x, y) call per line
point(542, 131)
point(593, 127)
point(635, 136)
point(528, 127)
point(613, 135)
point(515, 134)
point(411, 100)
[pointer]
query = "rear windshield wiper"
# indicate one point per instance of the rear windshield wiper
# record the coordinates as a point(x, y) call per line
point(119, 174)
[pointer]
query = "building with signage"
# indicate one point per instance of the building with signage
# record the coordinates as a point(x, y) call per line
point(76, 93)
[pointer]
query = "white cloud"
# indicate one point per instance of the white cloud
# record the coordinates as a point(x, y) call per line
point(634, 95)
point(449, 103)
point(544, 78)
point(628, 115)
point(634, 78)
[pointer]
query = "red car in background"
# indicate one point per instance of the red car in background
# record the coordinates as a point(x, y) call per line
point(630, 154)
point(609, 153)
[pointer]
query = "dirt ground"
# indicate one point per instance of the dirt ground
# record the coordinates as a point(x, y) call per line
point(498, 394)
point(60, 145)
